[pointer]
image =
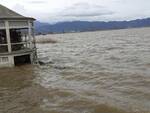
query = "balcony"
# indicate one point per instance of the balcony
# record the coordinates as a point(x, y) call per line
point(20, 42)
point(17, 48)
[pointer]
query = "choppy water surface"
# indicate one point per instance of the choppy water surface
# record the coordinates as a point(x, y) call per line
point(93, 72)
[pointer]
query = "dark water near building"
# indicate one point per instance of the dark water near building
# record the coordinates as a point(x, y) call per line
point(93, 72)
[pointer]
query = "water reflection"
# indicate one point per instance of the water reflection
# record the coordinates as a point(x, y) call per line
point(16, 78)
point(18, 93)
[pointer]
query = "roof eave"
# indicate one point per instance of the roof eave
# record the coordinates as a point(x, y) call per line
point(17, 18)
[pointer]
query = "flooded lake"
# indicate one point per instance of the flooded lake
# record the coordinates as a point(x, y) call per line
point(91, 72)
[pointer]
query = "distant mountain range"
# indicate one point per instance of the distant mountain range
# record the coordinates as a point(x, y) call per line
point(81, 26)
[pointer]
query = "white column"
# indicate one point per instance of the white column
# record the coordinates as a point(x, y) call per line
point(30, 33)
point(8, 36)
point(34, 40)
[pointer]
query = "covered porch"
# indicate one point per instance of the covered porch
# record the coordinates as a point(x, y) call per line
point(16, 37)
point(17, 42)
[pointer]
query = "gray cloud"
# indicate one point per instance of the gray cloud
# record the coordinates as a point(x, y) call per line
point(70, 10)
point(85, 10)
point(82, 11)
point(19, 8)
point(37, 2)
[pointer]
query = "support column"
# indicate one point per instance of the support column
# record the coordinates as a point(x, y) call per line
point(34, 40)
point(8, 36)
point(30, 33)
point(35, 57)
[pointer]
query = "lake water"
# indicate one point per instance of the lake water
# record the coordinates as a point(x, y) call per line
point(91, 72)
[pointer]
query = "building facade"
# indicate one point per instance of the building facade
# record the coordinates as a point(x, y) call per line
point(17, 41)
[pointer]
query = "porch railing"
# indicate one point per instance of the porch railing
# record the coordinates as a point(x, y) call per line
point(16, 46)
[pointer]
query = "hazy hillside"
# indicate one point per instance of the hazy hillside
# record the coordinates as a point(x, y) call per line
point(79, 26)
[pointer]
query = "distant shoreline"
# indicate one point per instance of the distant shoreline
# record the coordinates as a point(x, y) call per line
point(87, 26)
point(91, 31)
point(57, 38)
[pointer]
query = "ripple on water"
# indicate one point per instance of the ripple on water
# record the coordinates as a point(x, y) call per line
point(92, 72)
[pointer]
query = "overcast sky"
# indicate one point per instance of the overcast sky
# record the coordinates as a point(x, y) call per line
point(90, 10)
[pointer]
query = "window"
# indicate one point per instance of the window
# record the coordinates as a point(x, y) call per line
point(3, 59)
point(2, 24)
point(19, 39)
point(3, 41)
point(3, 37)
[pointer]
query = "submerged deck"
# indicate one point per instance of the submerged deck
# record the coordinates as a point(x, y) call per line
point(19, 52)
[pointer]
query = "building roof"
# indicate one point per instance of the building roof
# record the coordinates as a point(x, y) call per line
point(7, 14)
